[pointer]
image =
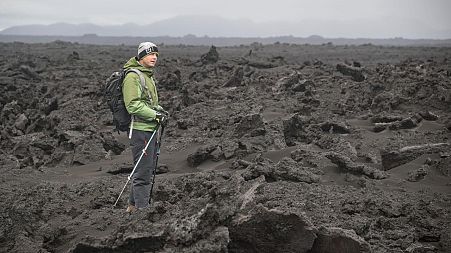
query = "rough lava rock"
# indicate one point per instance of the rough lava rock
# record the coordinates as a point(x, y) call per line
point(250, 166)
point(334, 240)
point(394, 158)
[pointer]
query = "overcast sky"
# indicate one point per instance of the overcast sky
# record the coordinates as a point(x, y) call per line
point(378, 18)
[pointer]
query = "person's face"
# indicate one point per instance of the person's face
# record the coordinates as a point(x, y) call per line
point(149, 60)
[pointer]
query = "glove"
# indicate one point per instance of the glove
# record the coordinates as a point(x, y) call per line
point(159, 108)
point(161, 118)
point(164, 112)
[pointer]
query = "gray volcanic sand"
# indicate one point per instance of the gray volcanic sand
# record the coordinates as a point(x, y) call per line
point(270, 148)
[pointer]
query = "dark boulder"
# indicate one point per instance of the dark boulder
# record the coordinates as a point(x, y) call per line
point(268, 231)
point(21, 122)
point(338, 240)
point(29, 73)
point(355, 72)
point(288, 81)
point(74, 56)
point(250, 125)
point(51, 105)
point(295, 129)
point(347, 164)
point(236, 79)
point(407, 123)
point(202, 154)
point(211, 57)
point(428, 115)
point(111, 144)
point(172, 80)
point(336, 128)
point(394, 158)
point(418, 174)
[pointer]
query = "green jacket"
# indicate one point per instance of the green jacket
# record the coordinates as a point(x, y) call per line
point(136, 100)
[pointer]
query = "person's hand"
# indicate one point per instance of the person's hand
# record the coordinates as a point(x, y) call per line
point(164, 112)
point(161, 118)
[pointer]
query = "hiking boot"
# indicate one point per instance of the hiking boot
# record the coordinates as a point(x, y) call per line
point(131, 209)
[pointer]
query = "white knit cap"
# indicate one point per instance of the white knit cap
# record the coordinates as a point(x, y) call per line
point(146, 48)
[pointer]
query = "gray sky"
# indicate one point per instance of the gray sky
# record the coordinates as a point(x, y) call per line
point(330, 18)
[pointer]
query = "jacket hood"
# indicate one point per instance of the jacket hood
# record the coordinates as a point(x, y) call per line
point(133, 63)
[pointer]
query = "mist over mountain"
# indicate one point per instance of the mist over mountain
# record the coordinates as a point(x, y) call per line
point(178, 26)
point(214, 26)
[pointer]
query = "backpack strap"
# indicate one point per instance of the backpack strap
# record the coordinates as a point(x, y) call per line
point(142, 82)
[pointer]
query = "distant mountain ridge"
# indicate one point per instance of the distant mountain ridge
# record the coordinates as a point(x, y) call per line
point(214, 26)
point(178, 26)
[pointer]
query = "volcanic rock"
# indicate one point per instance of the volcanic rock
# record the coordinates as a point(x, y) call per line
point(407, 123)
point(376, 87)
point(306, 156)
point(217, 154)
point(295, 129)
point(257, 201)
point(111, 143)
point(286, 170)
point(89, 151)
point(418, 174)
point(337, 144)
point(420, 248)
point(211, 57)
point(272, 230)
point(21, 122)
point(336, 128)
point(448, 125)
point(289, 170)
point(346, 163)
point(427, 115)
point(10, 111)
point(135, 242)
point(52, 105)
point(338, 240)
point(385, 118)
point(43, 123)
point(294, 83)
point(302, 86)
point(379, 127)
point(236, 79)
point(288, 81)
point(385, 101)
point(184, 123)
point(251, 124)
point(202, 154)
point(29, 72)
point(355, 72)
point(394, 158)
point(229, 148)
point(172, 80)
point(444, 166)
point(74, 56)
point(187, 96)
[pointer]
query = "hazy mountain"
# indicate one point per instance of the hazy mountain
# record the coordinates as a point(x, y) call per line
point(178, 26)
point(53, 29)
point(213, 26)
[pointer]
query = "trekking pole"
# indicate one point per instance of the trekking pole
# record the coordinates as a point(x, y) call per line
point(156, 162)
point(136, 165)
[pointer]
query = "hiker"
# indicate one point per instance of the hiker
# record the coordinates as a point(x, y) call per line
point(142, 104)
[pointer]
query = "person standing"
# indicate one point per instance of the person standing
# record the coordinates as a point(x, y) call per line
point(141, 102)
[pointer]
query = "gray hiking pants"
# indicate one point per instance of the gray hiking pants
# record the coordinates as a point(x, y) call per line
point(142, 178)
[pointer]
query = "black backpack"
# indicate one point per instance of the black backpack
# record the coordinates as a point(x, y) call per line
point(115, 99)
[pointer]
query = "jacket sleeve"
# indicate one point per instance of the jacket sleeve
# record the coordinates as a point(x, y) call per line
point(132, 98)
point(159, 108)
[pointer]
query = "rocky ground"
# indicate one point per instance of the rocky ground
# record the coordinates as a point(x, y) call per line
point(270, 148)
